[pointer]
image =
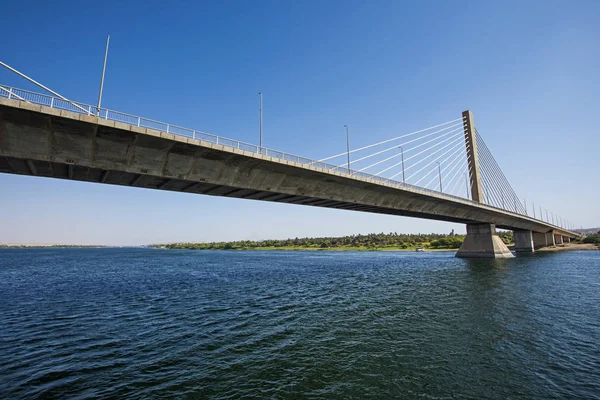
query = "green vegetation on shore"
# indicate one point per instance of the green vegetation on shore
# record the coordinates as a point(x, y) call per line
point(50, 246)
point(373, 241)
point(594, 239)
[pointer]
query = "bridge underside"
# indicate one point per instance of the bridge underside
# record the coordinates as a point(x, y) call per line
point(45, 142)
point(122, 178)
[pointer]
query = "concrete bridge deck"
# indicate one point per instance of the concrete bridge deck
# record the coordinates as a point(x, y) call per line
point(43, 141)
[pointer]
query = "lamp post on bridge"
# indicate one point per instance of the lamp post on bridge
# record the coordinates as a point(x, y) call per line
point(525, 203)
point(260, 122)
point(466, 184)
point(533, 207)
point(402, 154)
point(348, 146)
point(102, 79)
point(440, 175)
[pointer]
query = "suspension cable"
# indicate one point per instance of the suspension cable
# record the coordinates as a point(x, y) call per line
point(455, 139)
point(411, 141)
point(391, 140)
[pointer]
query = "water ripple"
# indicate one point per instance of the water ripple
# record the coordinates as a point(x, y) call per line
point(143, 323)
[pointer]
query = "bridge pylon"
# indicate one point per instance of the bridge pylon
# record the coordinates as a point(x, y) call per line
point(472, 156)
point(482, 240)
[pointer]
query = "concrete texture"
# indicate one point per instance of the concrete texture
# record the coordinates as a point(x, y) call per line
point(524, 242)
point(472, 157)
point(539, 240)
point(550, 239)
point(45, 142)
point(482, 241)
point(558, 239)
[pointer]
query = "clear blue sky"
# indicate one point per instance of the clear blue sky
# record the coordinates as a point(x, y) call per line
point(527, 69)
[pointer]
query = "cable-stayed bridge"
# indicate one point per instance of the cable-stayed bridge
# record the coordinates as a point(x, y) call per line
point(444, 172)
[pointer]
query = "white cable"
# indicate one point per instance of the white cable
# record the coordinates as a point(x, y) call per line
point(431, 162)
point(454, 162)
point(417, 146)
point(411, 141)
point(454, 139)
point(462, 166)
point(390, 140)
point(454, 169)
point(433, 170)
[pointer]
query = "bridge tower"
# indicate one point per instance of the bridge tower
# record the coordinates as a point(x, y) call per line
point(482, 240)
point(472, 156)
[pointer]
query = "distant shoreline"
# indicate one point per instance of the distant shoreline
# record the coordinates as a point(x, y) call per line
point(568, 247)
point(299, 248)
point(50, 246)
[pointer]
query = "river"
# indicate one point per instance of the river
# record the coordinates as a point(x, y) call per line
point(148, 323)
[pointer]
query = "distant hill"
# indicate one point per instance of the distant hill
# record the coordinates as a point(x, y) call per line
point(587, 231)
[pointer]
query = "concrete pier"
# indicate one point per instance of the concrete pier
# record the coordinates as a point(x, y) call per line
point(539, 240)
point(524, 242)
point(482, 241)
point(550, 239)
point(558, 239)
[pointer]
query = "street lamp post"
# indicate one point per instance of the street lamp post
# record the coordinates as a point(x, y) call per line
point(260, 123)
point(466, 184)
point(402, 154)
point(348, 146)
point(440, 175)
point(102, 79)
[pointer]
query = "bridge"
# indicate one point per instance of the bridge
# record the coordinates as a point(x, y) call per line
point(51, 136)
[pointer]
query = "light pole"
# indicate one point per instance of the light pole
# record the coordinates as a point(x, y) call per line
point(260, 122)
point(533, 207)
point(102, 79)
point(525, 203)
point(348, 146)
point(466, 184)
point(440, 175)
point(402, 154)
point(541, 214)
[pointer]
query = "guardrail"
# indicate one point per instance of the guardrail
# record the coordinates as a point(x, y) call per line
point(86, 109)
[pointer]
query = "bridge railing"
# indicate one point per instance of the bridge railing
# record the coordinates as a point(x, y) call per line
point(117, 116)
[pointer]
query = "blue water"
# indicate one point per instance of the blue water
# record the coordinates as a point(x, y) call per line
point(146, 323)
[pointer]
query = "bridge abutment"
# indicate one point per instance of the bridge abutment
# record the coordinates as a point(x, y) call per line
point(524, 241)
point(482, 241)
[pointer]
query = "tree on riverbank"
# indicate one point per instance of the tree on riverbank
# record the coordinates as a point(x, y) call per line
point(595, 239)
point(371, 241)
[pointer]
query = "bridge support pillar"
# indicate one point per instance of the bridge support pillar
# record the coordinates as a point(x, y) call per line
point(566, 239)
point(550, 239)
point(539, 240)
point(482, 241)
point(524, 241)
point(558, 239)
